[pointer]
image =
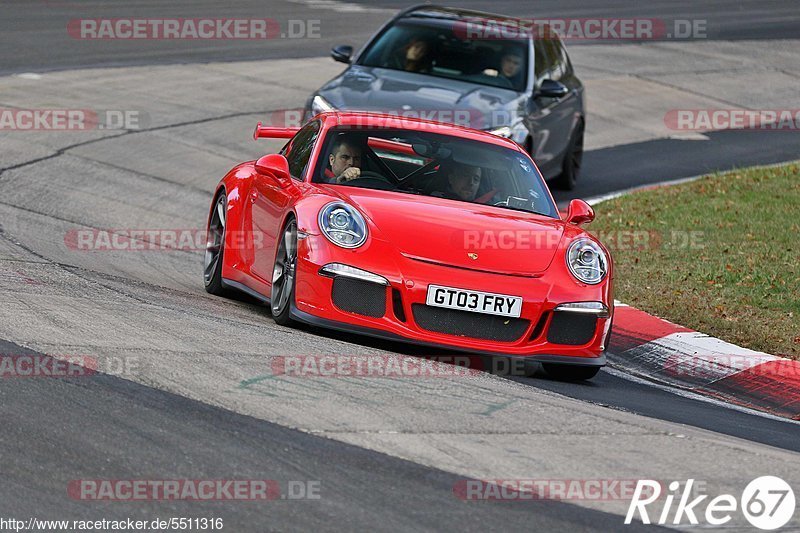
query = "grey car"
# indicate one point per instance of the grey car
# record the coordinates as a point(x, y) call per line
point(471, 68)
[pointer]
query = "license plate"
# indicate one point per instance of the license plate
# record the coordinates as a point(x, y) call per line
point(475, 301)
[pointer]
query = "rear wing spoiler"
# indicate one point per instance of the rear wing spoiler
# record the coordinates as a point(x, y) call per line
point(267, 132)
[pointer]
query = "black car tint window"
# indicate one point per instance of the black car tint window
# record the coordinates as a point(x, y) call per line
point(299, 149)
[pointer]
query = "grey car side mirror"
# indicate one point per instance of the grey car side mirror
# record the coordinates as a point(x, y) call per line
point(342, 53)
point(551, 89)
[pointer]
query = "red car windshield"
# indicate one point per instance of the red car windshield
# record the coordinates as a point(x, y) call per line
point(432, 164)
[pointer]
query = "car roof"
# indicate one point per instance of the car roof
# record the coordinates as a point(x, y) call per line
point(426, 11)
point(384, 120)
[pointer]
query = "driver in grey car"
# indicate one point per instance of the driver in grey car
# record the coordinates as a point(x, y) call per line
point(344, 161)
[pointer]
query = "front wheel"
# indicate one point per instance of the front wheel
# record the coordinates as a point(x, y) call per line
point(570, 372)
point(573, 159)
point(283, 275)
point(215, 247)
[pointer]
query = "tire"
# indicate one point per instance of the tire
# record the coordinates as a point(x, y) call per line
point(284, 275)
point(570, 372)
point(215, 247)
point(573, 159)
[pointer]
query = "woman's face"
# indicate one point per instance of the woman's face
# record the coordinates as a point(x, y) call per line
point(417, 50)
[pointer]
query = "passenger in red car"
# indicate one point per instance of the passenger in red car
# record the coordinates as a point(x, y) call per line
point(463, 182)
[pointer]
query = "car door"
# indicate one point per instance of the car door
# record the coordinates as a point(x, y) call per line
point(566, 108)
point(549, 119)
point(270, 200)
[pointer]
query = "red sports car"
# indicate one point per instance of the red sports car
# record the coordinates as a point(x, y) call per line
point(417, 231)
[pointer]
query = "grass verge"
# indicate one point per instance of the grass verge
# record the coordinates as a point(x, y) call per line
point(719, 255)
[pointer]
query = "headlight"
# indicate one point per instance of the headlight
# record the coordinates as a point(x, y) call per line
point(504, 131)
point(343, 225)
point(320, 105)
point(587, 261)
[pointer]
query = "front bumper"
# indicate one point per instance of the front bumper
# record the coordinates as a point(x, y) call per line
point(406, 290)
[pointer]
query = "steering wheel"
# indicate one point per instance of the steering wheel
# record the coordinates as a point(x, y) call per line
point(372, 180)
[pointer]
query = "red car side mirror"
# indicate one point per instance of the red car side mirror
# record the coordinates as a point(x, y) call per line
point(579, 212)
point(275, 165)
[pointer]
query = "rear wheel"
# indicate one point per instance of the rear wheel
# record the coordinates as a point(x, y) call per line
point(573, 159)
point(283, 275)
point(570, 372)
point(215, 247)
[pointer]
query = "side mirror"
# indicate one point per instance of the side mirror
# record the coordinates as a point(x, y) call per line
point(277, 166)
point(579, 212)
point(551, 89)
point(342, 53)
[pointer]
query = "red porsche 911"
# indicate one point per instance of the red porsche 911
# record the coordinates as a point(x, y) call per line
point(417, 231)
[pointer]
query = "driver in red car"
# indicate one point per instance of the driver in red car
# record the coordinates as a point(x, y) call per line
point(344, 161)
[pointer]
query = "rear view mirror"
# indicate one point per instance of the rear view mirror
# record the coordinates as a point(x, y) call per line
point(274, 165)
point(342, 53)
point(579, 212)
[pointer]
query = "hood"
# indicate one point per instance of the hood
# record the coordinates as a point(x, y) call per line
point(443, 231)
point(414, 95)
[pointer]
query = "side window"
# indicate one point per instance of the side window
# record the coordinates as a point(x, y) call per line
point(563, 58)
point(298, 150)
point(556, 64)
point(540, 65)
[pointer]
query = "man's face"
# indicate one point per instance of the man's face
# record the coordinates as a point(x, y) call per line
point(510, 65)
point(464, 181)
point(346, 156)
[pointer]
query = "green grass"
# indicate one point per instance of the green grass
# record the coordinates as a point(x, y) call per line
point(720, 255)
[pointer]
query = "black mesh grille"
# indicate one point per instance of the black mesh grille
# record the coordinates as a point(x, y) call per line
point(397, 306)
point(571, 328)
point(537, 331)
point(467, 324)
point(361, 297)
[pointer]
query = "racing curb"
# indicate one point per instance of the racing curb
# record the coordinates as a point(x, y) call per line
point(658, 350)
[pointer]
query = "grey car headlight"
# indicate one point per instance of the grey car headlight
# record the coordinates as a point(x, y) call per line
point(343, 225)
point(503, 131)
point(320, 105)
point(587, 261)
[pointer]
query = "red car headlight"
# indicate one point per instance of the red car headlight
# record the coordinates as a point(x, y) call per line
point(342, 225)
point(587, 261)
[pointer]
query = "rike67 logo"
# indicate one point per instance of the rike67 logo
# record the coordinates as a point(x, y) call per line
point(768, 503)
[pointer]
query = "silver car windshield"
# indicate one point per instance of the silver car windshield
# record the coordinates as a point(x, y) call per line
point(445, 52)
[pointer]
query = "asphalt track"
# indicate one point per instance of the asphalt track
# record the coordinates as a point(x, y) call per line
point(192, 440)
point(35, 28)
point(200, 403)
